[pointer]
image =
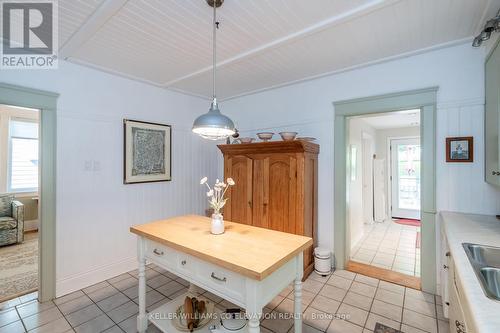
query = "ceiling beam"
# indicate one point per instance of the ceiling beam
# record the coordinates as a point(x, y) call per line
point(317, 27)
point(95, 21)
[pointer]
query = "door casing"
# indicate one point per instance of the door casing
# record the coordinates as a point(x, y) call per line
point(425, 100)
point(46, 102)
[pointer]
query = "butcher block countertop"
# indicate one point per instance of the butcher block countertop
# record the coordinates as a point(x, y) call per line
point(250, 251)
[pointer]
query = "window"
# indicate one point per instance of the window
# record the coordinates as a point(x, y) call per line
point(23, 156)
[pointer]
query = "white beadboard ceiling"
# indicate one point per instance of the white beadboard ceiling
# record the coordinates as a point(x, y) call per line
point(261, 43)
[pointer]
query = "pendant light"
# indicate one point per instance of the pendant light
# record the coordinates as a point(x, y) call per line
point(213, 125)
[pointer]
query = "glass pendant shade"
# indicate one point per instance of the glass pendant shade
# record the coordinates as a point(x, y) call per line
point(213, 125)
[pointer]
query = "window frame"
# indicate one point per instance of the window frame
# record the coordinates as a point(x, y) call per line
point(26, 191)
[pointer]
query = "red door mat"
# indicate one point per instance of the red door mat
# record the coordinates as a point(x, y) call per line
point(412, 222)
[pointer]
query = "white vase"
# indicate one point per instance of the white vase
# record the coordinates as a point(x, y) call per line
point(217, 227)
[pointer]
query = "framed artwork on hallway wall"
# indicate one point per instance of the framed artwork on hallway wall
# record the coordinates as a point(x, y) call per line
point(460, 149)
point(147, 152)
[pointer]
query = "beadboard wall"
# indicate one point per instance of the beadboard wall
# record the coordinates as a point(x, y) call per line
point(307, 108)
point(94, 208)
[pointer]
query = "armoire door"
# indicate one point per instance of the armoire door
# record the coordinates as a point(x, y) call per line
point(239, 205)
point(275, 193)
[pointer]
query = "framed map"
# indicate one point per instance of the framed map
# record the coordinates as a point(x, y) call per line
point(147, 152)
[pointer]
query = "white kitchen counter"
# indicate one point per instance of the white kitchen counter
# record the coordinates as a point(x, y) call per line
point(479, 229)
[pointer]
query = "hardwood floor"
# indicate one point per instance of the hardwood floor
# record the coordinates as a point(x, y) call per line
point(384, 274)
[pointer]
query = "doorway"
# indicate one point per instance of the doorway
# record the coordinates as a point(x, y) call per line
point(19, 201)
point(425, 101)
point(390, 242)
point(46, 103)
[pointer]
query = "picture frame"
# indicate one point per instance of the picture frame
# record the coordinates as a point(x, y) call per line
point(147, 152)
point(460, 149)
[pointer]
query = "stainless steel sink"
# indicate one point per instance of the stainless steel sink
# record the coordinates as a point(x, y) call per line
point(486, 255)
point(485, 261)
point(491, 277)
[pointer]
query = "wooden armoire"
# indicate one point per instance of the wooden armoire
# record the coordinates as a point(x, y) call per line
point(276, 187)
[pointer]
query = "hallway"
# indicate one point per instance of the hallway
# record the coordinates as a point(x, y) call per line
point(391, 246)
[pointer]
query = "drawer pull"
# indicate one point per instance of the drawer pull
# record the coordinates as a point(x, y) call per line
point(218, 278)
point(158, 252)
point(183, 262)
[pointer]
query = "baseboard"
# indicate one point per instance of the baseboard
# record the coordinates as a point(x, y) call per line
point(79, 281)
point(30, 225)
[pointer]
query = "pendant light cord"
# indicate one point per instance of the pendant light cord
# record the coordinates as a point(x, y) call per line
point(214, 53)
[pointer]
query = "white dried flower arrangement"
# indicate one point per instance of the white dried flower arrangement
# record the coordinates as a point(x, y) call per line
point(216, 194)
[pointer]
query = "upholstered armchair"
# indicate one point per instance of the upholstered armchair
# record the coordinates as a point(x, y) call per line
point(11, 220)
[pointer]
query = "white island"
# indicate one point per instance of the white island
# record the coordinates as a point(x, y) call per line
point(247, 266)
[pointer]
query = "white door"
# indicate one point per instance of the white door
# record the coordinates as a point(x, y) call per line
point(367, 161)
point(379, 185)
point(405, 178)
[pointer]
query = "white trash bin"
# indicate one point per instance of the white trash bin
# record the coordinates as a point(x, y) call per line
point(322, 261)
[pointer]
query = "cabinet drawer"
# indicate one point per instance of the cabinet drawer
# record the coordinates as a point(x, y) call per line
point(212, 276)
point(221, 280)
point(160, 253)
point(201, 273)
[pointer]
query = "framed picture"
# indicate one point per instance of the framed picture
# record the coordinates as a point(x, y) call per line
point(460, 149)
point(147, 152)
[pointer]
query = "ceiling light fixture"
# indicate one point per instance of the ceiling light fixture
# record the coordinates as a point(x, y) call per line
point(213, 125)
point(490, 27)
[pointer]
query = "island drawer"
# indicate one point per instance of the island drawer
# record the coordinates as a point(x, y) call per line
point(212, 276)
point(160, 253)
point(220, 279)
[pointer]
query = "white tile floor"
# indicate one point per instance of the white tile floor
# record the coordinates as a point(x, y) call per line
point(389, 245)
point(343, 302)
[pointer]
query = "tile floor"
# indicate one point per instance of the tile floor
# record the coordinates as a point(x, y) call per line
point(389, 245)
point(111, 306)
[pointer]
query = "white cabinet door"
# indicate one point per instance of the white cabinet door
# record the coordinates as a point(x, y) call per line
point(445, 259)
point(455, 312)
point(492, 118)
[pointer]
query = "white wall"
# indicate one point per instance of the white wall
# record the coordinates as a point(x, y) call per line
point(94, 208)
point(381, 143)
point(307, 108)
point(355, 212)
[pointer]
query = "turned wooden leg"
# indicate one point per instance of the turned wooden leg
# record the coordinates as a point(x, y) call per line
point(297, 293)
point(253, 307)
point(142, 319)
point(254, 323)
